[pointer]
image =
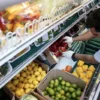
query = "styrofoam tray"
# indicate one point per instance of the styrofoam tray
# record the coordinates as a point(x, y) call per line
point(63, 62)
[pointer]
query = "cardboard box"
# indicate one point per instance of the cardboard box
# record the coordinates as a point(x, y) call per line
point(53, 74)
point(10, 93)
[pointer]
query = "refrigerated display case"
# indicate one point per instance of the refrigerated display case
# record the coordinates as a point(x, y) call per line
point(29, 28)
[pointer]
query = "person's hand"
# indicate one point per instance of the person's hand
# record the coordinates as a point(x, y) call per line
point(68, 40)
point(68, 54)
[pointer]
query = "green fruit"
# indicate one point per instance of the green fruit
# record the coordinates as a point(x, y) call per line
point(56, 84)
point(71, 89)
point(68, 95)
point(78, 93)
point(63, 82)
point(45, 92)
point(56, 81)
point(63, 87)
point(58, 88)
point(78, 98)
point(51, 92)
point(62, 92)
point(66, 89)
point(74, 85)
point(68, 84)
point(55, 89)
point(73, 95)
point(60, 78)
point(63, 98)
point(79, 88)
point(57, 93)
point(51, 85)
point(58, 96)
point(53, 97)
point(52, 82)
point(47, 88)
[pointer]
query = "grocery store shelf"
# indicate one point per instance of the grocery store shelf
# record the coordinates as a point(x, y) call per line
point(6, 3)
point(30, 59)
point(15, 50)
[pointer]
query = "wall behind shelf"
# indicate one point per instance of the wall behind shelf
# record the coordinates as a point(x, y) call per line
point(6, 3)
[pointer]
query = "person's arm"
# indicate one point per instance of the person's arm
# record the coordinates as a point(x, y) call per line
point(88, 35)
point(86, 58)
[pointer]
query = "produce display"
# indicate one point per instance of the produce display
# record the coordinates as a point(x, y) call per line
point(84, 71)
point(67, 69)
point(27, 80)
point(58, 47)
point(58, 89)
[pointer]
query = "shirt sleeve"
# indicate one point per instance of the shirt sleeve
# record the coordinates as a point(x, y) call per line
point(97, 56)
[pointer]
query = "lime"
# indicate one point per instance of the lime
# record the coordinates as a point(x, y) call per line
point(56, 84)
point(55, 89)
point(63, 82)
point(53, 97)
point(58, 88)
point(66, 89)
point(79, 88)
point(45, 92)
point(74, 85)
point(62, 92)
point(78, 98)
point(63, 98)
point(58, 96)
point(71, 89)
point(47, 88)
point(68, 84)
point(78, 92)
point(57, 93)
point(60, 78)
point(51, 85)
point(51, 91)
point(73, 95)
point(52, 82)
point(68, 95)
point(63, 87)
point(56, 81)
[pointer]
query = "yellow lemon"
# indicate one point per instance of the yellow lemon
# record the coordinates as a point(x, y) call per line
point(29, 68)
point(36, 73)
point(25, 69)
point(40, 70)
point(20, 85)
point(31, 86)
point(18, 75)
point(38, 78)
point(23, 74)
point(30, 81)
point(13, 88)
point(9, 85)
point(27, 90)
point(18, 93)
point(25, 81)
point(21, 79)
point(35, 82)
point(15, 82)
point(26, 86)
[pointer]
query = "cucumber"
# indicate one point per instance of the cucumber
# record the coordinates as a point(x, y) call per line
point(94, 43)
point(90, 50)
point(92, 46)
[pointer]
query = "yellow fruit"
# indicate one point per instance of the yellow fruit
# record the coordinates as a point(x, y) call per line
point(79, 70)
point(80, 63)
point(28, 77)
point(21, 90)
point(18, 75)
point(23, 74)
point(36, 73)
point(82, 75)
point(43, 75)
point(30, 81)
point(27, 72)
point(31, 86)
point(43, 72)
point(35, 69)
point(85, 68)
point(27, 90)
point(36, 64)
point(31, 72)
point(75, 74)
point(29, 68)
point(25, 69)
point(40, 69)
point(21, 79)
point(86, 80)
point(13, 88)
point(15, 82)
point(91, 68)
point(33, 64)
point(89, 74)
point(18, 93)
point(35, 82)
point(38, 78)
point(26, 86)
point(25, 81)
point(33, 76)
point(9, 85)
point(20, 85)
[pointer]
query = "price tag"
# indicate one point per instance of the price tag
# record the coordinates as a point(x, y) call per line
point(56, 28)
point(45, 37)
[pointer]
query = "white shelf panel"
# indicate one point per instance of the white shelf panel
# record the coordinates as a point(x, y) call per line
point(30, 59)
point(15, 50)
